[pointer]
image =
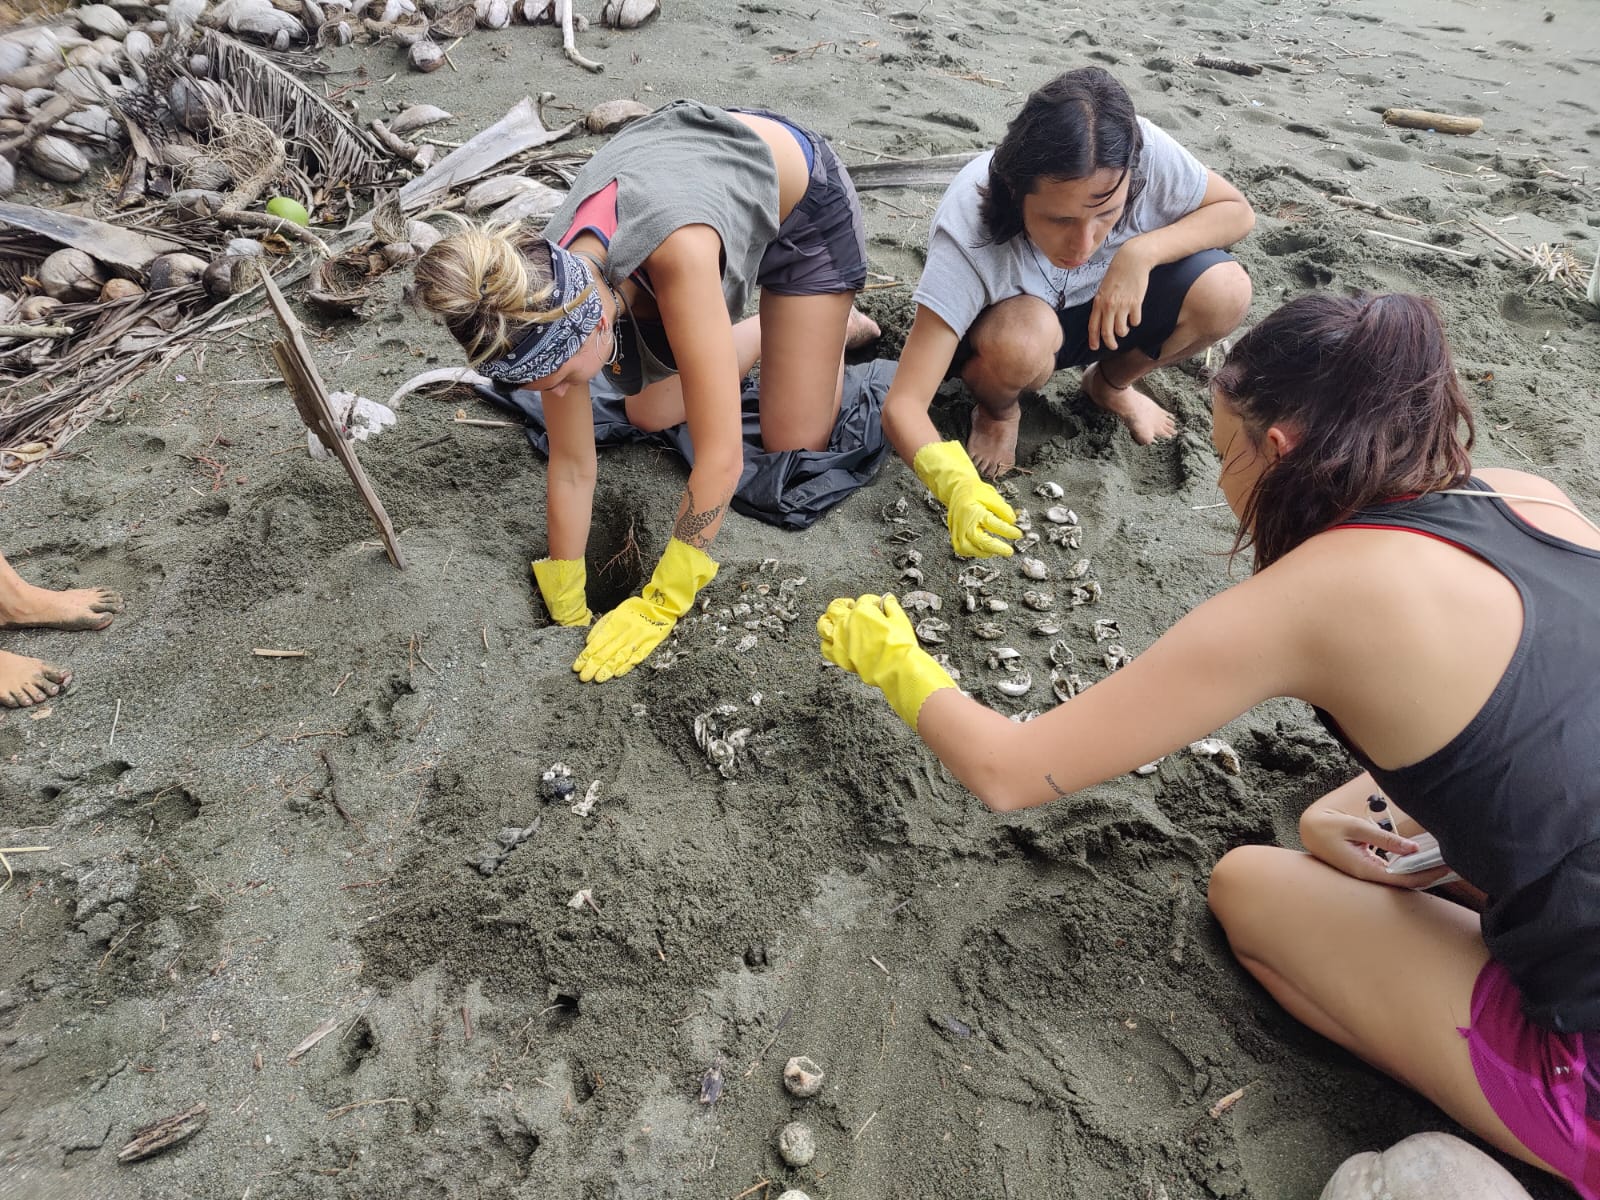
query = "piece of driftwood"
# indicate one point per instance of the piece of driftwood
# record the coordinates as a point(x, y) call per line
point(1418, 118)
point(1231, 65)
point(393, 142)
point(299, 371)
point(99, 239)
point(164, 1134)
point(35, 331)
point(520, 129)
point(569, 44)
point(1375, 209)
point(1395, 237)
point(58, 106)
point(933, 172)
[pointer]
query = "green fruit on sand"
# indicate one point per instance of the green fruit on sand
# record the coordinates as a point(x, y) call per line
point(288, 209)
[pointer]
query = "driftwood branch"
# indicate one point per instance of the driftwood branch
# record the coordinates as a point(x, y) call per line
point(935, 172)
point(167, 1132)
point(271, 224)
point(1376, 210)
point(1395, 237)
point(1418, 118)
point(1231, 65)
point(394, 143)
point(569, 44)
point(35, 331)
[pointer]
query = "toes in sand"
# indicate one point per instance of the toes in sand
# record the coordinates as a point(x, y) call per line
point(1146, 420)
point(992, 443)
point(26, 681)
point(72, 610)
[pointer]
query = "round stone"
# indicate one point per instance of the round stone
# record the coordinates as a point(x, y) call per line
point(802, 1077)
point(797, 1144)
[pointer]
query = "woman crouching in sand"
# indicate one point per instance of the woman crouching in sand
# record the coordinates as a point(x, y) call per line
point(1445, 624)
point(665, 234)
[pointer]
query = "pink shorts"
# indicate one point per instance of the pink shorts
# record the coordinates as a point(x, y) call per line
point(1545, 1086)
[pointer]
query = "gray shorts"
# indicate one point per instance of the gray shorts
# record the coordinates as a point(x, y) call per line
point(821, 247)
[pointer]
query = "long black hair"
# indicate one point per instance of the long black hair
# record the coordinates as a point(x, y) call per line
point(1078, 123)
point(1367, 385)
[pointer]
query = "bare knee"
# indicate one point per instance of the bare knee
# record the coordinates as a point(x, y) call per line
point(1218, 301)
point(1243, 883)
point(1014, 345)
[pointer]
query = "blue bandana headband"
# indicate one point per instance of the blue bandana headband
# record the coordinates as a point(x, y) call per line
point(545, 348)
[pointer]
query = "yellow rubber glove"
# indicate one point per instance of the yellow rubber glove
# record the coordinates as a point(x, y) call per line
point(561, 582)
point(978, 518)
point(872, 638)
point(624, 637)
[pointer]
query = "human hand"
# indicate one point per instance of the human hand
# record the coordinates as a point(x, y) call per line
point(622, 639)
point(1351, 843)
point(1119, 304)
point(625, 636)
point(872, 638)
point(561, 583)
point(980, 521)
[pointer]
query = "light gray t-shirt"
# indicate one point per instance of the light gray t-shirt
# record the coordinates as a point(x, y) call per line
point(963, 276)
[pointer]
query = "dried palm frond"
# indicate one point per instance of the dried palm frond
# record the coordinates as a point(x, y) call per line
point(342, 151)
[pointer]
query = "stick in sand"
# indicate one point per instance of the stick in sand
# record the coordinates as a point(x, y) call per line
point(1419, 118)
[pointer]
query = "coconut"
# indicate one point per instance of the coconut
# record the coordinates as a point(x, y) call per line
point(612, 115)
point(229, 274)
point(498, 190)
point(196, 202)
point(429, 56)
point(34, 75)
point(493, 14)
point(37, 308)
point(8, 177)
point(176, 270)
point(56, 158)
point(13, 55)
point(410, 32)
point(102, 19)
point(119, 289)
point(138, 46)
point(422, 236)
point(395, 253)
point(85, 83)
point(418, 116)
point(11, 101)
point(243, 247)
point(628, 14)
point(94, 121)
point(71, 275)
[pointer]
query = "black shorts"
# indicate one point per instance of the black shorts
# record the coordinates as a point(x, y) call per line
point(1163, 301)
point(821, 247)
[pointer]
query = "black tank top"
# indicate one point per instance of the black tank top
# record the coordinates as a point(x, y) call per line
point(1514, 798)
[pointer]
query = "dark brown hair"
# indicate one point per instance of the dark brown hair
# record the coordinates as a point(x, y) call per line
point(1078, 123)
point(1366, 388)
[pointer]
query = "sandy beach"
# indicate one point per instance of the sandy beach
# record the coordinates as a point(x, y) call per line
point(247, 849)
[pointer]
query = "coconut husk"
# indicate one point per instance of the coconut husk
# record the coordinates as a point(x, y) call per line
point(339, 285)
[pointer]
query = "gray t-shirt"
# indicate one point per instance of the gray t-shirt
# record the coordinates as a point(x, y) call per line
point(963, 276)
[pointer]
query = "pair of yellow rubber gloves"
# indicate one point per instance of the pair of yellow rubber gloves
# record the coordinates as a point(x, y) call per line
point(626, 635)
point(871, 637)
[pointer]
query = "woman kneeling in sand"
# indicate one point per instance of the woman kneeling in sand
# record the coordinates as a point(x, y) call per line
point(1446, 626)
point(666, 232)
point(1087, 238)
point(25, 681)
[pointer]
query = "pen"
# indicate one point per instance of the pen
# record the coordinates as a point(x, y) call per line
point(1379, 807)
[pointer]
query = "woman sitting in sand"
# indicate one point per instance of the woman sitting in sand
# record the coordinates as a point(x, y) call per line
point(1445, 624)
point(1087, 238)
point(666, 232)
point(26, 681)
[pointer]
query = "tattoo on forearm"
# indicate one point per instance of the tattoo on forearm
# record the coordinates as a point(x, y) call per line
point(691, 526)
point(1055, 787)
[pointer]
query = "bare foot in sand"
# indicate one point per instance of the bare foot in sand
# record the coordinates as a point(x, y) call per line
point(25, 681)
point(992, 444)
point(860, 330)
point(1146, 420)
point(24, 606)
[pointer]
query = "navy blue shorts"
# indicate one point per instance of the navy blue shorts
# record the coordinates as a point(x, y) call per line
point(1163, 301)
point(821, 247)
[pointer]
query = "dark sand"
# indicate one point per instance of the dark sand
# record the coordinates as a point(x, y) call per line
point(1054, 1013)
